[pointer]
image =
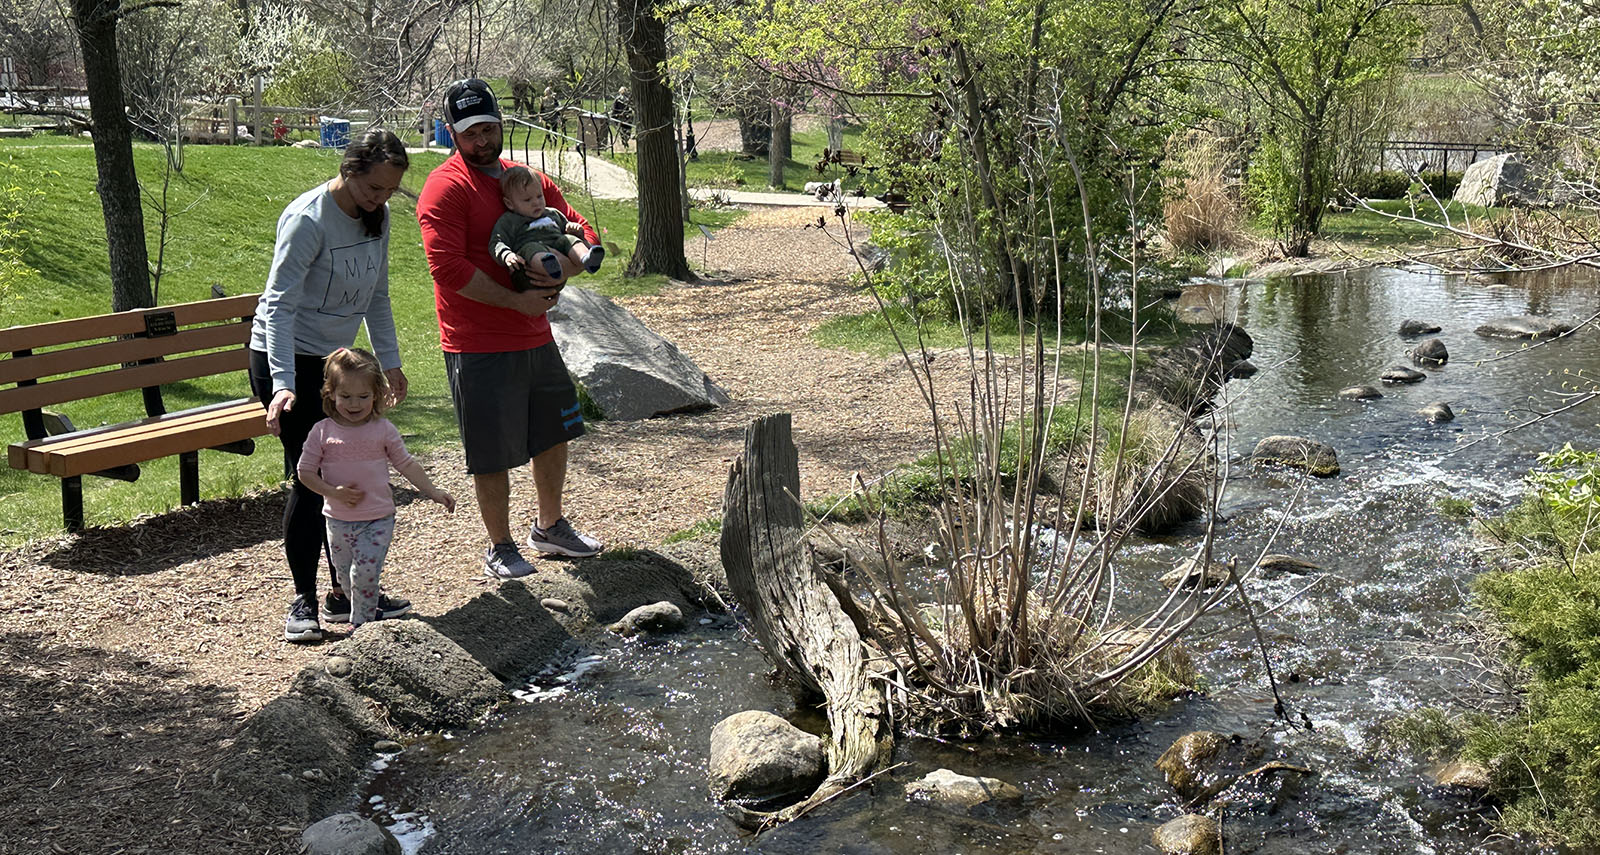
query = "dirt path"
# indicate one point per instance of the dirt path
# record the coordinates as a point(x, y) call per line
point(131, 655)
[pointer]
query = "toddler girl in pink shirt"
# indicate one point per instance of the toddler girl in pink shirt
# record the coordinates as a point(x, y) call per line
point(346, 459)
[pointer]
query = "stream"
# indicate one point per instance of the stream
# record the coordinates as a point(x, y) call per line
point(607, 753)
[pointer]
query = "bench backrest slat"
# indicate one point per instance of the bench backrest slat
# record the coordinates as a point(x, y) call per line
point(121, 380)
point(71, 360)
point(114, 353)
point(123, 323)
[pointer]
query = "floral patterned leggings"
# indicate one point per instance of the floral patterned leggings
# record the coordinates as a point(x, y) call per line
point(358, 550)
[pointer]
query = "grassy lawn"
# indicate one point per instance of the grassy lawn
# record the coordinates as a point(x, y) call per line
point(1378, 231)
point(730, 170)
point(233, 197)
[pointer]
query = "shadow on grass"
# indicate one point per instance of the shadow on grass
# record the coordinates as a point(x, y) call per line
point(171, 539)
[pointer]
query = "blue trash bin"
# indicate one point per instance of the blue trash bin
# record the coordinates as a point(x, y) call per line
point(335, 132)
point(441, 134)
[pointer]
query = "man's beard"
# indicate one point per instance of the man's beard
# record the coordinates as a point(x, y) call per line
point(487, 156)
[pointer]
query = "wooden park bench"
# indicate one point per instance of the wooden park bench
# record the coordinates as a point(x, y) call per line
point(74, 360)
point(846, 157)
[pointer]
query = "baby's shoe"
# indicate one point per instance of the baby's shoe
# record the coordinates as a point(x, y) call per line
point(591, 262)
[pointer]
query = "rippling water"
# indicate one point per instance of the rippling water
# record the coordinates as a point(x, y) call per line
point(609, 756)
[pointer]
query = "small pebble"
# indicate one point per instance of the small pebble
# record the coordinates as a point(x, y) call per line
point(705, 621)
point(554, 604)
point(386, 746)
point(338, 666)
point(314, 775)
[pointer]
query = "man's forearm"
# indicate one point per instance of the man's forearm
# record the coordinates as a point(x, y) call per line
point(480, 288)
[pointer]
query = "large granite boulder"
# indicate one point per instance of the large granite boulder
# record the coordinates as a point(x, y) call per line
point(654, 619)
point(1360, 393)
point(1523, 326)
point(762, 760)
point(1297, 452)
point(1501, 181)
point(348, 834)
point(628, 370)
point(1430, 352)
point(1402, 374)
point(946, 789)
point(1413, 327)
point(1190, 834)
point(1437, 411)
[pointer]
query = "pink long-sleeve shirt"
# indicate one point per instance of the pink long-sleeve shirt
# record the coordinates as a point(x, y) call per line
point(355, 456)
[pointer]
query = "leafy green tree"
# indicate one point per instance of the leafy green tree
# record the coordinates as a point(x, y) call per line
point(979, 113)
point(1300, 64)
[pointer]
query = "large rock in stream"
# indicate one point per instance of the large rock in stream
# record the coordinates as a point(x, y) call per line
point(1202, 765)
point(629, 371)
point(1297, 452)
point(348, 834)
point(1430, 352)
point(1190, 834)
point(1532, 327)
point(962, 793)
point(760, 760)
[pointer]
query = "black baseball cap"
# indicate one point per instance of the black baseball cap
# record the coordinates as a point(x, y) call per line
point(469, 102)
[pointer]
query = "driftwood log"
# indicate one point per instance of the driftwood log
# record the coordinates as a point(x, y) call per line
point(795, 614)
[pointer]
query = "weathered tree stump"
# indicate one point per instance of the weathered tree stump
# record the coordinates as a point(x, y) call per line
point(797, 617)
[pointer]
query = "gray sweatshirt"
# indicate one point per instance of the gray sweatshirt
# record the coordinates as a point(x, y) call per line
point(327, 276)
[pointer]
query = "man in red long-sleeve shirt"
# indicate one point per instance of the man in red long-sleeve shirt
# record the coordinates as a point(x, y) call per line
point(514, 400)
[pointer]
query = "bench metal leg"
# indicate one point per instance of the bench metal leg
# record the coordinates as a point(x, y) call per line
point(189, 476)
point(72, 503)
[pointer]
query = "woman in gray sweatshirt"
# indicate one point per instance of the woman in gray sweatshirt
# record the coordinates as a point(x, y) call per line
point(330, 273)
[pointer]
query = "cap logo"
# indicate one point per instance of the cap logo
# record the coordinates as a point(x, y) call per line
point(467, 99)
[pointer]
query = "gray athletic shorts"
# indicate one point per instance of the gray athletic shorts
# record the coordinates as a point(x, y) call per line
point(512, 406)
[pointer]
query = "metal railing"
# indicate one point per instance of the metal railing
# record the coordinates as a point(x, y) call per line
point(549, 141)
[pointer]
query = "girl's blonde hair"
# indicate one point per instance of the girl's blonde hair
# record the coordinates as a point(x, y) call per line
point(353, 363)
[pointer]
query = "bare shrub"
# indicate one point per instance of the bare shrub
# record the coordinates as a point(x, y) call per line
point(1200, 209)
point(1024, 622)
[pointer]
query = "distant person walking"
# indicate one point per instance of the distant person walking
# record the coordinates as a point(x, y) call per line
point(329, 275)
point(515, 402)
point(622, 114)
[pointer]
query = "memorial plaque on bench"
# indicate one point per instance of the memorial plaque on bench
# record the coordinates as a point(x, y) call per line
point(158, 324)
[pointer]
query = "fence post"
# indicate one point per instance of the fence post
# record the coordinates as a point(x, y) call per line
point(257, 128)
point(233, 120)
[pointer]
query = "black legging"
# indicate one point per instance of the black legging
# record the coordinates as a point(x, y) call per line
point(305, 534)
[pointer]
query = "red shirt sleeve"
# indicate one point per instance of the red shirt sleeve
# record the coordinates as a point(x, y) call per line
point(554, 199)
point(442, 209)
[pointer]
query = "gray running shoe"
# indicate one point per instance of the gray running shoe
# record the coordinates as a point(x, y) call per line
point(301, 624)
point(562, 539)
point(505, 561)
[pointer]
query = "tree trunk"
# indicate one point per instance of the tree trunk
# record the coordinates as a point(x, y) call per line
point(660, 243)
point(780, 148)
point(755, 131)
point(1311, 198)
point(798, 618)
point(118, 183)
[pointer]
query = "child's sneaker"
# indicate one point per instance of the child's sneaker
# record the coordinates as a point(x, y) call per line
point(552, 265)
point(591, 262)
point(505, 561)
point(336, 607)
point(562, 539)
point(301, 624)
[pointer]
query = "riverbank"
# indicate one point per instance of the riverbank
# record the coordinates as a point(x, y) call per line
point(136, 654)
